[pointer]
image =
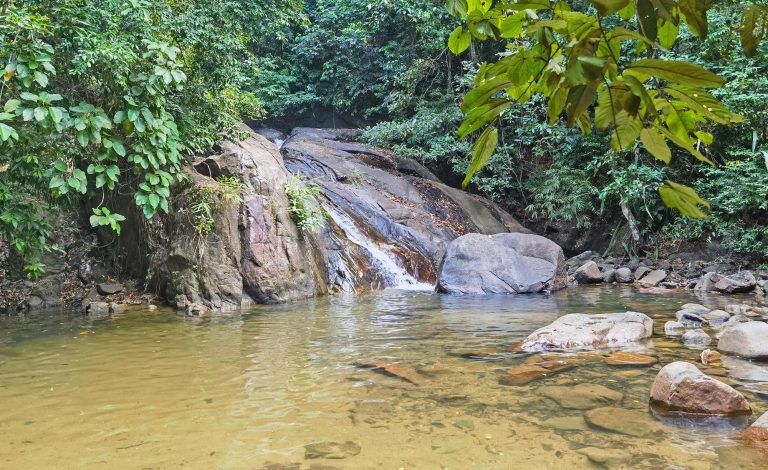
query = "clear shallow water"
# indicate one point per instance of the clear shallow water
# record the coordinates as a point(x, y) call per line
point(150, 390)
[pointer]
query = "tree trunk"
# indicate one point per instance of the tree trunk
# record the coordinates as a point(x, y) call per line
point(632, 222)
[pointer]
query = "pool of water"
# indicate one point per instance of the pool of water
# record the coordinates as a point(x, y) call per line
point(151, 390)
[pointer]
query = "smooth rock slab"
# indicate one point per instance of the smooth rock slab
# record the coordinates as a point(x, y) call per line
point(521, 375)
point(716, 317)
point(682, 387)
point(629, 422)
point(653, 278)
point(581, 331)
point(749, 339)
point(109, 289)
point(582, 396)
point(331, 450)
point(695, 308)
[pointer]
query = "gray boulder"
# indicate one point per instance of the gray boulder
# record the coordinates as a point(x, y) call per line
point(507, 263)
point(696, 337)
point(581, 331)
point(640, 272)
point(748, 340)
point(653, 278)
point(689, 319)
point(589, 273)
point(624, 275)
point(674, 328)
point(735, 284)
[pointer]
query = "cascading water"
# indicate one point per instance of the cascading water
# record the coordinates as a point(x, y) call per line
point(382, 257)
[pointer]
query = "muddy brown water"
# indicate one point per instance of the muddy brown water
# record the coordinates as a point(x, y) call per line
point(150, 390)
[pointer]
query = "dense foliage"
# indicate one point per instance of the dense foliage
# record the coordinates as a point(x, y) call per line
point(113, 97)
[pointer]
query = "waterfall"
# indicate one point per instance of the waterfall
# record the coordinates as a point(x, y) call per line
point(381, 255)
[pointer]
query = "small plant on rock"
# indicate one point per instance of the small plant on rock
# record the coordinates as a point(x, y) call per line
point(304, 207)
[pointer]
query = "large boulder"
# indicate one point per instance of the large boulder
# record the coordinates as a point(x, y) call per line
point(581, 331)
point(508, 263)
point(748, 340)
point(758, 431)
point(682, 387)
point(735, 284)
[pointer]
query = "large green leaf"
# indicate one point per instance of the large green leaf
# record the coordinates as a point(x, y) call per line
point(626, 131)
point(647, 19)
point(459, 40)
point(606, 7)
point(685, 73)
point(579, 99)
point(684, 199)
point(704, 103)
point(457, 8)
point(754, 23)
point(481, 116)
point(695, 14)
point(481, 153)
point(668, 34)
point(656, 144)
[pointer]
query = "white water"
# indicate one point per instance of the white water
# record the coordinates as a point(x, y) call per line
point(382, 257)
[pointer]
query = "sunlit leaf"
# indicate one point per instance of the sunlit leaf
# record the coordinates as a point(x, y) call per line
point(684, 199)
point(481, 153)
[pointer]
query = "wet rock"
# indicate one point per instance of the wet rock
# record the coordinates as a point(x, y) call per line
point(109, 289)
point(582, 396)
point(709, 356)
point(674, 328)
point(735, 284)
point(757, 432)
point(609, 276)
point(579, 259)
point(749, 340)
point(508, 263)
point(640, 272)
point(629, 422)
point(450, 445)
point(698, 309)
point(716, 317)
point(521, 375)
point(689, 319)
point(117, 308)
point(682, 387)
point(653, 278)
point(737, 309)
point(581, 331)
point(698, 337)
point(331, 450)
point(629, 359)
point(624, 275)
point(588, 273)
point(35, 303)
point(607, 457)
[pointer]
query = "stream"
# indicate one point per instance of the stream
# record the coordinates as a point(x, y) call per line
point(273, 386)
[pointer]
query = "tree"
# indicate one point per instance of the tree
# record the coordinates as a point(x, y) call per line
point(606, 52)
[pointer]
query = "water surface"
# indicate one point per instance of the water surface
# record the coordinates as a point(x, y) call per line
point(150, 390)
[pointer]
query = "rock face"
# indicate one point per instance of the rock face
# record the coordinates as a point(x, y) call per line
point(389, 221)
point(749, 340)
point(682, 387)
point(507, 263)
point(581, 331)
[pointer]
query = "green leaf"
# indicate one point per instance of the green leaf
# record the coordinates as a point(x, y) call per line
point(26, 96)
point(41, 79)
point(457, 8)
point(656, 145)
point(695, 15)
point(40, 114)
point(704, 103)
point(647, 19)
point(118, 147)
point(8, 132)
point(754, 23)
point(579, 99)
point(512, 26)
point(668, 34)
point(684, 199)
point(606, 7)
point(56, 114)
point(626, 131)
point(83, 138)
point(11, 106)
point(459, 40)
point(679, 71)
point(481, 116)
point(481, 153)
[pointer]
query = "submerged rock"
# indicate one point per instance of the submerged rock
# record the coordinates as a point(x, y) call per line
point(582, 396)
point(674, 328)
point(581, 331)
point(588, 273)
point(629, 422)
point(331, 450)
point(630, 359)
point(521, 375)
point(682, 387)
point(757, 432)
point(394, 369)
point(508, 263)
point(749, 340)
point(607, 457)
